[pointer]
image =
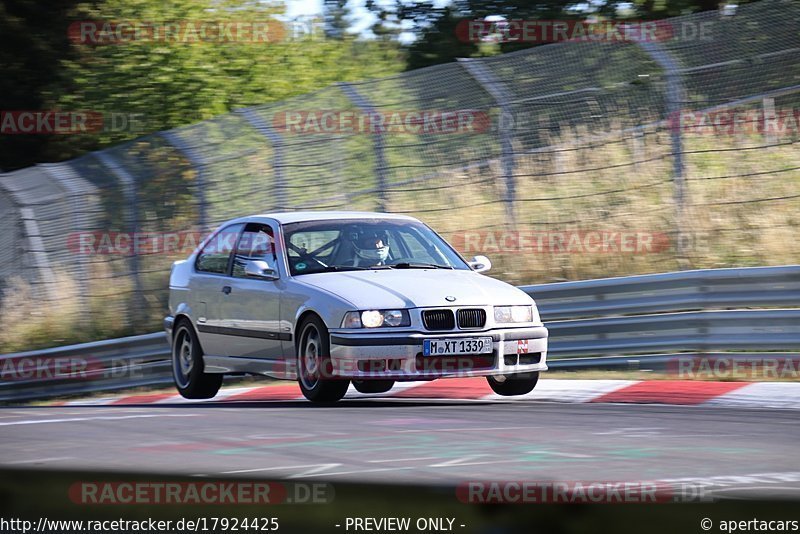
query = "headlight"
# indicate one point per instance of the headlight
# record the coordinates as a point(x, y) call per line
point(376, 318)
point(513, 314)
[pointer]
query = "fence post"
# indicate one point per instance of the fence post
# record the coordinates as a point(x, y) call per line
point(79, 192)
point(768, 106)
point(132, 221)
point(276, 141)
point(380, 157)
point(38, 252)
point(30, 231)
point(197, 162)
point(675, 98)
point(501, 95)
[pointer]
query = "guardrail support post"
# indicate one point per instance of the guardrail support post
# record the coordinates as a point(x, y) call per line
point(380, 157)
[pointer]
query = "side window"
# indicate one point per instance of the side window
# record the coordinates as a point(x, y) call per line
point(257, 243)
point(216, 253)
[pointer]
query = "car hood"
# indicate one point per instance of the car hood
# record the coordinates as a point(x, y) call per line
point(416, 288)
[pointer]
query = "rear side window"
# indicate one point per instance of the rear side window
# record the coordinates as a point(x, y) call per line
point(214, 256)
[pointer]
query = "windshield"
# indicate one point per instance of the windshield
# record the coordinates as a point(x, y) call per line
point(349, 245)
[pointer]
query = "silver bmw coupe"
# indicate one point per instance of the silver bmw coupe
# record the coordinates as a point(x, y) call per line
point(330, 298)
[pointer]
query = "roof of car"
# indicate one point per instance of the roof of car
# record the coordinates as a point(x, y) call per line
point(303, 216)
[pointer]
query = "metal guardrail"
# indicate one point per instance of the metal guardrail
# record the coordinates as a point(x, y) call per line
point(642, 322)
point(754, 287)
point(106, 365)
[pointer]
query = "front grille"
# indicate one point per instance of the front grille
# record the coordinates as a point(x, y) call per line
point(438, 319)
point(471, 318)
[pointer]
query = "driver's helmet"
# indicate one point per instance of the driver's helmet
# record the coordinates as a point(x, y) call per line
point(371, 245)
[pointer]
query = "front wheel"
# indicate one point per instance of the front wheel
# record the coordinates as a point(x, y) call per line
point(511, 385)
point(314, 368)
point(188, 372)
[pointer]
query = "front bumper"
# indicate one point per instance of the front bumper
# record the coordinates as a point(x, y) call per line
point(359, 355)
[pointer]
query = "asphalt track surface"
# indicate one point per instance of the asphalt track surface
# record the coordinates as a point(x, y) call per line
point(739, 452)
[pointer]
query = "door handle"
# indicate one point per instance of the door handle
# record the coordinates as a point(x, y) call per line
point(226, 290)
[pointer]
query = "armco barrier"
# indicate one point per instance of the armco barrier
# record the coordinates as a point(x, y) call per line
point(632, 322)
point(755, 287)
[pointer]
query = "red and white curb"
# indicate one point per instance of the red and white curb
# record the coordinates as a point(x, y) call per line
point(683, 392)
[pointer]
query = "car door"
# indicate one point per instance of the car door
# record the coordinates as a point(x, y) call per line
point(209, 281)
point(251, 307)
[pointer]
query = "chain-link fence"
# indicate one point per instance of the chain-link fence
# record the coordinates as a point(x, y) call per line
point(579, 159)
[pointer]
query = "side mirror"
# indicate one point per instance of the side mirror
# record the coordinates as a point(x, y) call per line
point(480, 264)
point(260, 269)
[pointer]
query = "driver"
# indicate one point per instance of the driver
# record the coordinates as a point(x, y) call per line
point(371, 248)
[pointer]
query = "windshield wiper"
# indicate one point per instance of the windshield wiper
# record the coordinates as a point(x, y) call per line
point(403, 265)
point(341, 268)
point(416, 265)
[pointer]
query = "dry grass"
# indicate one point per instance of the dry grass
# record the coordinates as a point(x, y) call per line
point(67, 315)
point(741, 207)
point(31, 322)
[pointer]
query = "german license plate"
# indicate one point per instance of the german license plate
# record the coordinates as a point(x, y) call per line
point(457, 346)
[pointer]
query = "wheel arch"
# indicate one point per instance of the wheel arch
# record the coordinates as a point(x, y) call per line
point(304, 315)
point(184, 317)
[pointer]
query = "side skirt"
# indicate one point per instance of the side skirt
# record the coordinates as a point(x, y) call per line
point(280, 369)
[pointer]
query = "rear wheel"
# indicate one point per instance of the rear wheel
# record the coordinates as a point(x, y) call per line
point(373, 386)
point(314, 368)
point(187, 365)
point(511, 385)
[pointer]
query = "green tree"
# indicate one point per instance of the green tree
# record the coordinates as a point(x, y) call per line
point(435, 25)
point(168, 84)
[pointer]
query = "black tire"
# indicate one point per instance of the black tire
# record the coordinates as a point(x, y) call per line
point(373, 386)
point(518, 384)
point(314, 363)
point(187, 365)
